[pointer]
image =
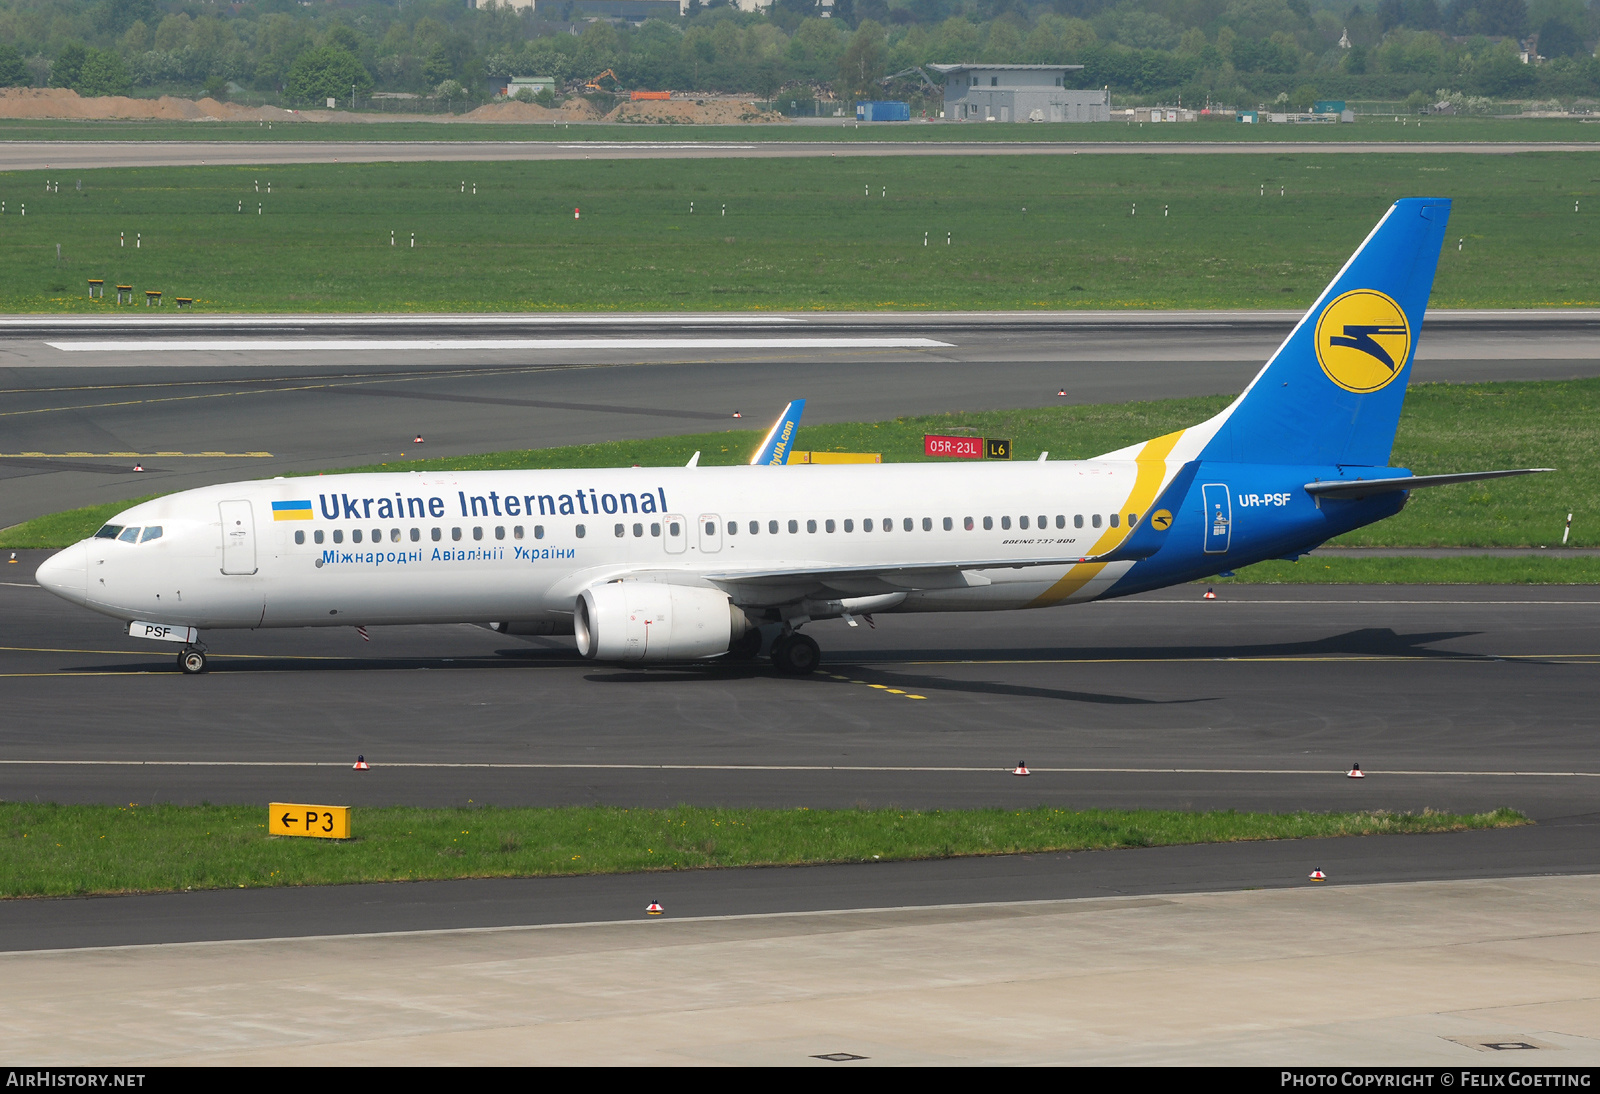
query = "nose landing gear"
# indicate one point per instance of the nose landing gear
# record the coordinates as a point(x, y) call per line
point(192, 661)
point(796, 655)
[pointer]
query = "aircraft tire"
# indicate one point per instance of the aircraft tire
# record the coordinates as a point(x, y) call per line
point(796, 655)
point(192, 662)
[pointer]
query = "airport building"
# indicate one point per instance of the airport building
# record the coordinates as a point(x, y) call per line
point(1019, 93)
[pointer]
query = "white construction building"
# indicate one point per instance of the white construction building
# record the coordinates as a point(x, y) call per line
point(1018, 93)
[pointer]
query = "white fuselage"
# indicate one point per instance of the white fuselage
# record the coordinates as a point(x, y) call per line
point(434, 547)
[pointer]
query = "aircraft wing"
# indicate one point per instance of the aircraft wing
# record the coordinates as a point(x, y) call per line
point(1362, 488)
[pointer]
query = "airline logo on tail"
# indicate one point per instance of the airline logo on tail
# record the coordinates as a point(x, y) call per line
point(1363, 341)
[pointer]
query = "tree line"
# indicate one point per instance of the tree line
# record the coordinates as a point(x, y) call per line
point(1228, 51)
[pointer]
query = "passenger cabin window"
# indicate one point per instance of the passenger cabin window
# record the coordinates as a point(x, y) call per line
point(733, 527)
point(1044, 522)
point(1133, 518)
point(1113, 520)
point(516, 532)
point(477, 532)
point(811, 526)
point(866, 525)
point(988, 524)
point(455, 534)
point(849, 525)
point(110, 531)
point(154, 532)
point(316, 537)
point(638, 531)
point(299, 536)
point(416, 535)
point(907, 524)
point(794, 526)
point(538, 530)
point(619, 530)
point(355, 535)
point(1005, 522)
point(1077, 521)
point(338, 535)
point(655, 530)
point(966, 522)
point(580, 530)
point(828, 526)
point(755, 528)
point(129, 535)
point(394, 535)
point(1022, 522)
point(711, 527)
point(436, 534)
point(1061, 521)
point(1095, 520)
point(499, 531)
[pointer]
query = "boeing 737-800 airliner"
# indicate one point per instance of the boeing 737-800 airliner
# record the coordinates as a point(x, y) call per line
point(674, 564)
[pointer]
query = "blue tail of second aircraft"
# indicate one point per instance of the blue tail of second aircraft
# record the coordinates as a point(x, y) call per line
point(1332, 393)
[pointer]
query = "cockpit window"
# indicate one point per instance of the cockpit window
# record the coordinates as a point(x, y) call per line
point(110, 531)
point(129, 535)
point(150, 533)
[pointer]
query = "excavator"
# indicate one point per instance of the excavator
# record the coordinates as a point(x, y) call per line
point(594, 84)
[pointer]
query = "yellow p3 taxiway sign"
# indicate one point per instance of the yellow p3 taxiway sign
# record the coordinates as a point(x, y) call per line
point(322, 821)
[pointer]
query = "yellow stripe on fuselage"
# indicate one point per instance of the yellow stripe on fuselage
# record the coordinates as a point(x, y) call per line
point(1151, 462)
point(292, 514)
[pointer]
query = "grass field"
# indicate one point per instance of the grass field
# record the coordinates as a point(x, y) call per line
point(1382, 127)
point(798, 234)
point(58, 850)
point(1445, 428)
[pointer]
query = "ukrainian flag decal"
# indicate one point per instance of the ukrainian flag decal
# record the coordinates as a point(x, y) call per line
point(291, 510)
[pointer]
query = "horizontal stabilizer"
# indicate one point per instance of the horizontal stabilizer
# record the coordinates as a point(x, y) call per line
point(1362, 488)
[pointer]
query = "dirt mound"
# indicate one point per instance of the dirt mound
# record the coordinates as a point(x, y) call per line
point(574, 110)
point(61, 103)
point(691, 112)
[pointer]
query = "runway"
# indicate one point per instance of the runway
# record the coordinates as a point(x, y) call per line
point(1458, 698)
point(68, 155)
point(210, 408)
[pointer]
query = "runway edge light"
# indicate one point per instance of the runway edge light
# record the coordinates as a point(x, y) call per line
point(361, 764)
point(1020, 769)
point(1355, 772)
point(654, 909)
point(1318, 875)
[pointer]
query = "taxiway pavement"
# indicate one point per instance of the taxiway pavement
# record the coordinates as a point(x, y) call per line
point(74, 421)
point(67, 155)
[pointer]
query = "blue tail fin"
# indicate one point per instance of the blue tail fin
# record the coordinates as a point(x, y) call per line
point(1332, 392)
point(774, 450)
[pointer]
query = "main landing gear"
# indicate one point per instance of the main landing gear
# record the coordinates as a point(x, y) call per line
point(192, 661)
point(796, 655)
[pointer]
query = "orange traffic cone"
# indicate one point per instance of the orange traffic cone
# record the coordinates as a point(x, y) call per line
point(1355, 772)
point(361, 764)
point(654, 909)
point(1318, 875)
point(1020, 769)
point(1211, 594)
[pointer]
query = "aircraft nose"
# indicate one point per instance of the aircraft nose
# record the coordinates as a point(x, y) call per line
point(65, 573)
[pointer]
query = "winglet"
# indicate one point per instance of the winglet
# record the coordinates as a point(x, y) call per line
point(1148, 537)
point(774, 450)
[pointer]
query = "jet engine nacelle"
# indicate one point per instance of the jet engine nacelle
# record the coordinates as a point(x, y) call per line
point(650, 621)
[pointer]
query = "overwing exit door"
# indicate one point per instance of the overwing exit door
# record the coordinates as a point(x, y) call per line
point(1219, 517)
point(238, 537)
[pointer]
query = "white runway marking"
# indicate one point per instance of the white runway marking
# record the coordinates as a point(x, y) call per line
point(303, 345)
point(1325, 772)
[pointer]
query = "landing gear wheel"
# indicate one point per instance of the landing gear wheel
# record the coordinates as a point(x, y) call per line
point(192, 662)
point(746, 646)
point(796, 655)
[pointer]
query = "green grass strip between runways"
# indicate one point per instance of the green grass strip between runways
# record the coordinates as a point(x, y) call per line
point(55, 850)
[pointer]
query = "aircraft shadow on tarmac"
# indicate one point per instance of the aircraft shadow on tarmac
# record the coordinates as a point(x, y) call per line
point(1372, 642)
